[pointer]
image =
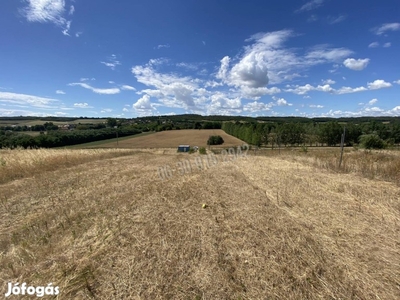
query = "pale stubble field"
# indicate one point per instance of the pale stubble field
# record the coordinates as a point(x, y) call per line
point(101, 224)
point(172, 139)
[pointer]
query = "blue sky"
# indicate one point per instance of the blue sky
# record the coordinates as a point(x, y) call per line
point(155, 57)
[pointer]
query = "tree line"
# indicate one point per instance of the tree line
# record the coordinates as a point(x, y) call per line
point(312, 133)
point(50, 126)
point(61, 138)
point(282, 131)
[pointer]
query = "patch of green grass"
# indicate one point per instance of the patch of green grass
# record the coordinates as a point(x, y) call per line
point(202, 150)
point(31, 133)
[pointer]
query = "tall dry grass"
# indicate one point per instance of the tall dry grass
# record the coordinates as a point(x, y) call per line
point(20, 163)
point(274, 228)
point(371, 164)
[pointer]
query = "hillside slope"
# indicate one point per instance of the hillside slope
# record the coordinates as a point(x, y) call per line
point(272, 229)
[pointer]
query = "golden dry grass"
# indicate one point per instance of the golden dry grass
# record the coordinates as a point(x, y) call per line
point(380, 164)
point(174, 138)
point(274, 228)
point(20, 163)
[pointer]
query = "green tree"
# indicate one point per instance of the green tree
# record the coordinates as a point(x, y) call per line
point(330, 133)
point(112, 122)
point(273, 138)
point(50, 126)
point(353, 133)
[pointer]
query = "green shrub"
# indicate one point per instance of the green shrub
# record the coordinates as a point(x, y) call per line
point(372, 141)
point(202, 150)
point(215, 140)
point(304, 149)
point(390, 142)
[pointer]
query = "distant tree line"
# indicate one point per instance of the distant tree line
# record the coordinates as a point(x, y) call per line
point(50, 126)
point(271, 119)
point(167, 124)
point(313, 133)
point(268, 131)
point(61, 138)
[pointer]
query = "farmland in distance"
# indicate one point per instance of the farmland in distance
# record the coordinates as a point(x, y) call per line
point(171, 139)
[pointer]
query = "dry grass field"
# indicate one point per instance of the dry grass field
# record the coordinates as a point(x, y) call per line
point(100, 224)
point(174, 138)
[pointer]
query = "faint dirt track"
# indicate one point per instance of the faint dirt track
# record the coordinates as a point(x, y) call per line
point(274, 228)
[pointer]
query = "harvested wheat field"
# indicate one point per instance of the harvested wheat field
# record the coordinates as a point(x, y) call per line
point(174, 138)
point(273, 228)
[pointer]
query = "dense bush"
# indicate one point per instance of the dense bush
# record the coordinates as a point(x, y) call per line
point(215, 140)
point(372, 141)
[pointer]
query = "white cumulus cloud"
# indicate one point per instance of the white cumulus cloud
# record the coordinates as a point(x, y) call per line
point(267, 61)
point(172, 90)
point(224, 105)
point(396, 110)
point(48, 11)
point(328, 81)
point(251, 71)
point(143, 104)
point(373, 109)
point(303, 90)
point(82, 105)
point(281, 101)
point(356, 64)
point(378, 84)
point(350, 90)
point(60, 92)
